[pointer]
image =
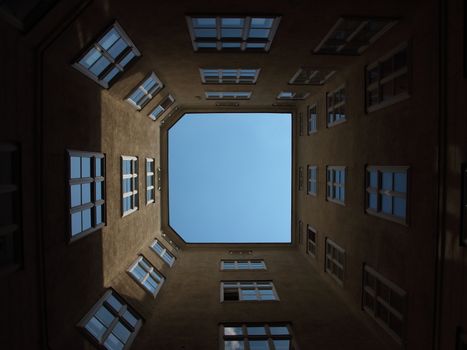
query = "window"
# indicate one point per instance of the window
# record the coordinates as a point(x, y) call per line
point(150, 185)
point(108, 57)
point(168, 240)
point(161, 107)
point(310, 76)
point(336, 184)
point(300, 178)
point(385, 302)
point(335, 261)
point(129, 185)
point(256, 336)
point(10, 208)
point(228, 95)
point(386, 192)
point(311, 241)
point(243, 264)
point(247, 291)
point(312, 185)
point(291, 95)
point(229, 76)
point(86, 184)
point(111, 323)
point(238, 33)
point(336, 107)
point(312, 120)
point(146, 275)
point(387, 80)
point(162, 251)
point(351, 36)
point(148, 88)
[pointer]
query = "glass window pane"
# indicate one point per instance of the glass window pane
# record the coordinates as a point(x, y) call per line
point(111, 37)
point(234, 345)
point(105, 316)
point(259, 33)
point(387, 181)
point(75, 193)
point(85, 167)
point(86, 219)
point(112, 343)
point(118, 48)
point(98, 67)
point(204, 22)
point(109, 76)
point(400, 182)
point(130, 318)
point(86, 193)
point(386, 204)
point(373, 201)
point(282, 344)
point(126, 59)
point(98, 189)
point(400, 207)
point(231, 33)
point(232, 22)
point(117, 305)
point(90, 58)
point(231, 45)
point(258, 345)
point(96, 328)
point(256, 45)
point(121, 332)
point(261, 22)
point(278, 330)
point(98, 214)
point(233, 331)
point(75, 223)
point(374, 178)
point(256, 330)
point(205, 33)
point(75, 163)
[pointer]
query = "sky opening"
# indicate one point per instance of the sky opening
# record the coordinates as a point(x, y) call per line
point(230, 177)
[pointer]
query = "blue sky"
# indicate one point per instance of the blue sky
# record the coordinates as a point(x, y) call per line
point(230, 177)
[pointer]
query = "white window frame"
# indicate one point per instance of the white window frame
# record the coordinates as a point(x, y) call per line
point(150, 174)
point(311, 246)
point(147, 94)
point(312, 120)
point(332, 263)
point(151, 273)
point(311, 73)
point(391, 193)
point(239, 79)
point(134, 184)
point(164, 105)
point(244, 338)
point(240, 265)
point(376, 85)
point(228, 95)
point(119, 317)
point(331, 185)
point(373, 293)
point(332, 106)
point(115, 63)
point(284, 95)
point(165, 255)
point(245, 40)
point(312, 180)
point(248, 285)
point(10, 233)
point(93, 180)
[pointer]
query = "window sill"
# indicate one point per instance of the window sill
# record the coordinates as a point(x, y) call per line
point(335, 201)
point(387, 103)
point(394, 219)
